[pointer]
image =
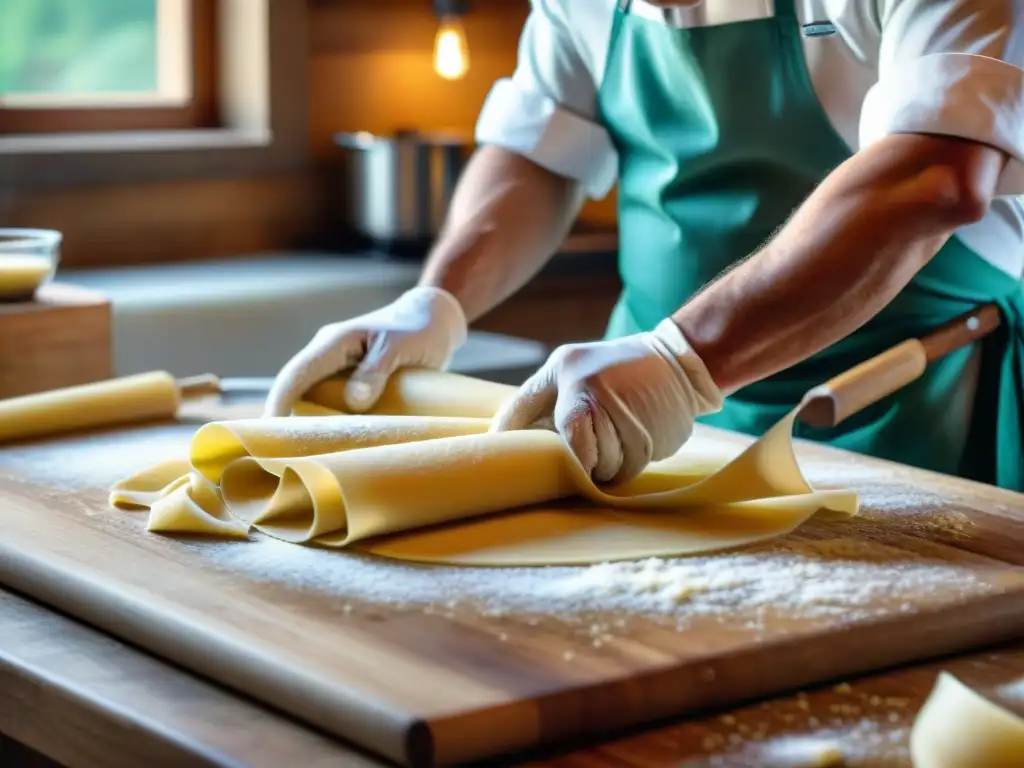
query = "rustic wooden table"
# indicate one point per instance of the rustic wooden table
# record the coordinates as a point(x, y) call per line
point(78, 697)
point(72, 696)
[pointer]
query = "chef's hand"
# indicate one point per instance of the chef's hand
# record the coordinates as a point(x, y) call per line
point(423, 328)
point(618, 404)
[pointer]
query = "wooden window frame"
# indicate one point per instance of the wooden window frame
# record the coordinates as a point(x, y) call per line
point(261, 102)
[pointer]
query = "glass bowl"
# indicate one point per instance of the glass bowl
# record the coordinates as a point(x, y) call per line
point(28, 259)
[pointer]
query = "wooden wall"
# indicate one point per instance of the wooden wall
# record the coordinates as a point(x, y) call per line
point(110, 225)
point(372, 70)
point(370, 67)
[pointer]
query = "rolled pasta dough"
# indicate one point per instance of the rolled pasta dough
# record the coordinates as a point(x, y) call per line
point(426, 481)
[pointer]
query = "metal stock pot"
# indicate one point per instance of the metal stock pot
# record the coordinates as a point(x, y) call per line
point(398, 187)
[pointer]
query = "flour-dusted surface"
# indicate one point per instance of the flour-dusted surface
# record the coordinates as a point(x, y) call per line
point(96, 460)
point(835, 579)
point(1013, 691)
point(929, 568)
point(867, 743)
point(834, 572)
point(1010, 696)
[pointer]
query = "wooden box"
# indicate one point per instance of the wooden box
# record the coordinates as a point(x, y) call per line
point(61, 338)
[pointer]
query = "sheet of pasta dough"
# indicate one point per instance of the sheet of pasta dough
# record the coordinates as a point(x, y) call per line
point(422, 479)
point(959, 728)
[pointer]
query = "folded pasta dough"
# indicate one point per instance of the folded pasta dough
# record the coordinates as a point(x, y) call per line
point(218, 444)
point(959, 728)
point(343, 498)
point(177, 493)
point(384, 481)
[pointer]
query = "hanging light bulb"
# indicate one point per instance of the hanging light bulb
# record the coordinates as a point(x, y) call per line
point(451, 51)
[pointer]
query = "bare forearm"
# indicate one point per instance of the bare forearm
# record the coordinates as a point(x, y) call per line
point(845, 254)
point(506, 220)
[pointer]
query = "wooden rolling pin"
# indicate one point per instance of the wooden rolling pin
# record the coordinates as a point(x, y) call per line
point(837, 399)
point(130, 399)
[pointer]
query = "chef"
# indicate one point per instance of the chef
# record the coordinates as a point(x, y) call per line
point(801, 184)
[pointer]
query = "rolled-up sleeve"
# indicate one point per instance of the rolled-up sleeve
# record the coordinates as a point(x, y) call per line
point(547, 110)
point(952, 68)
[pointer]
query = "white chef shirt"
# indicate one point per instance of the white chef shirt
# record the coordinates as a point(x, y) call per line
point(947, 67)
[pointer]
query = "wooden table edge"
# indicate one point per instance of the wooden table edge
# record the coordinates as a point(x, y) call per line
point(60, 697)
point(56, 672)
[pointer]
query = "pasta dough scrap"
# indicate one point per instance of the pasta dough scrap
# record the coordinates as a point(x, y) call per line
point(144, 489)
point(423, 479)
point(179, 500)
point(960, 728)
point(195, 506)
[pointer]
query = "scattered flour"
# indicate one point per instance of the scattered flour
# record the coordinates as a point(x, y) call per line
point(96, 460)
point(1013, 691)
point(843, 726)
point(799, 751)
point(833, 579)
point(867, 742)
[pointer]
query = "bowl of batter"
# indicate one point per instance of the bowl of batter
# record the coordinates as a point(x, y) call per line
point(28, 259)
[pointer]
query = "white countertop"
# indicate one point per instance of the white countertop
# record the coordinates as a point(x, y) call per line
point(245, 317)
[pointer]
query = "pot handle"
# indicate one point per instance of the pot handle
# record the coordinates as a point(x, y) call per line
point(356, 140)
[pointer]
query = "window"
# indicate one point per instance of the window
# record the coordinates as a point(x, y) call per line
point(107, 65)
point(115, 91)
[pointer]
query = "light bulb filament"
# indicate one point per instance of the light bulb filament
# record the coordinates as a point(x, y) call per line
point(451, 51)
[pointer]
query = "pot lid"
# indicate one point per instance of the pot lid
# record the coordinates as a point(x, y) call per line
point(366, 139)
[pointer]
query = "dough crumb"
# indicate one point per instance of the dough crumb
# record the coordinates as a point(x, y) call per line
point(803, 752)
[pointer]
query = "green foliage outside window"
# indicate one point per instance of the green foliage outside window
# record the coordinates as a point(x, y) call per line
point(78, 46)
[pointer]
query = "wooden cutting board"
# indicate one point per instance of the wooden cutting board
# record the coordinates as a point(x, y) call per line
point(428, 665)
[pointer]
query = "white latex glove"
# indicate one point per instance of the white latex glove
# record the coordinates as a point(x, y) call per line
point(423, 328)
point(618, 404)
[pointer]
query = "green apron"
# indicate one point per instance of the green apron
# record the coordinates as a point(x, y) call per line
point(720, 137)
